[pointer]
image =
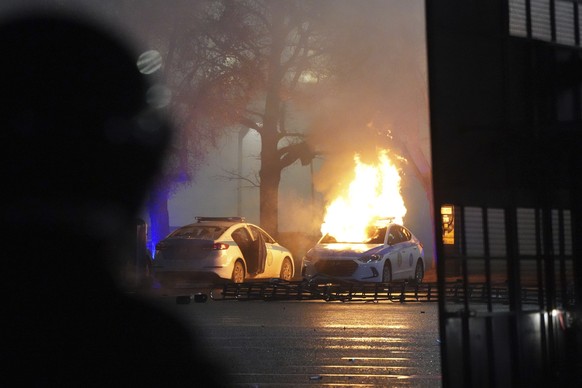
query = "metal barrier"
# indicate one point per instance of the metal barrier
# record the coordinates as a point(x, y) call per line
point(328, 291)
point(341, 291)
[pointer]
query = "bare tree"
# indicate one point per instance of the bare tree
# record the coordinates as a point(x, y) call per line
point(246, 63)
point(262, 64)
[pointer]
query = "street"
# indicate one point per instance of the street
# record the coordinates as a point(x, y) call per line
point(317, 343)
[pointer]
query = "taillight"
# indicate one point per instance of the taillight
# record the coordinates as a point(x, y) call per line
point(218, 247)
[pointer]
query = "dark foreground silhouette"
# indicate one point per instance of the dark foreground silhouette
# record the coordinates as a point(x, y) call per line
point(80, 147)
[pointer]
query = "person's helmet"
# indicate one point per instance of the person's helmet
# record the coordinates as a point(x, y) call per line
point(76, 127)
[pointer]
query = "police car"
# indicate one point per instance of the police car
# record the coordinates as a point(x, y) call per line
point(389, 252)
point(219, 249)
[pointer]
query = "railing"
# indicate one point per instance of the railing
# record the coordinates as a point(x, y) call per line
point(332, 291)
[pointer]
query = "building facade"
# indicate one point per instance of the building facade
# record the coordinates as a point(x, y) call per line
point(505, 87)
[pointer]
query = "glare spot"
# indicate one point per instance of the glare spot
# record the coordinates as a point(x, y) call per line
point(158, 96)
point(308, 78)
point(149, 62)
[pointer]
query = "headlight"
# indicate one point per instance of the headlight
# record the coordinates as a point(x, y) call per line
point(369, 258)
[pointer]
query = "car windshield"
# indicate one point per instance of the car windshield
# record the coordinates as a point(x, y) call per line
point(374, 235)
point(206, 232)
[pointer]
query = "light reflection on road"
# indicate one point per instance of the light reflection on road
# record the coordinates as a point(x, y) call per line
point(356, 326)
point(316, 343)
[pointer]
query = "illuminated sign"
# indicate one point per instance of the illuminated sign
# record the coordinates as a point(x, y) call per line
point(448, 220)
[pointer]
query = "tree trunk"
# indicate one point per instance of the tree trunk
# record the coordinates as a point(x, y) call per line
point(269, 198)
point(270, 175)
point(159, 216)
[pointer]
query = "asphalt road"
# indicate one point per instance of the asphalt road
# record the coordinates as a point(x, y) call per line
point(316, 343)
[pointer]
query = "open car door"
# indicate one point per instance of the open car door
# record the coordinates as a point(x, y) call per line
point(259, 255)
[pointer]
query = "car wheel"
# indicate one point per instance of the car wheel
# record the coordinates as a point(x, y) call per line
point(286, 270)
point(387, 272)
point(419, 271)
point(238, 272)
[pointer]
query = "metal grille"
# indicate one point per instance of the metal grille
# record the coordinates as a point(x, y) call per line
point(551, 21)
point(517, 18)
point(541, 28)
point(565, 30)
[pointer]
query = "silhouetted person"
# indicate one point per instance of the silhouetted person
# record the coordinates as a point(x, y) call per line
point(80, 147)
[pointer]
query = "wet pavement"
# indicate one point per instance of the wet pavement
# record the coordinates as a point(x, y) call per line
point(315, 343)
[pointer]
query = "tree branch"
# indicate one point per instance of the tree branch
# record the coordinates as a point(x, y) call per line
point(293, 152)
point(232, 176)
point(245, 121)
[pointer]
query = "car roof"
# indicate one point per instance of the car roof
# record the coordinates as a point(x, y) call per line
point(222, 222)
point(381, 222)
point(221, 219)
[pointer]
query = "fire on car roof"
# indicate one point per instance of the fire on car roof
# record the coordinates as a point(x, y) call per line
point(373, 195)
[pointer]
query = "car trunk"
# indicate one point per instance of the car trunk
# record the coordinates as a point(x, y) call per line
point(185, 248)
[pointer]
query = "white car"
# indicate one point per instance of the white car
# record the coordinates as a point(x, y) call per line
point(219, 249)
point(390, 252)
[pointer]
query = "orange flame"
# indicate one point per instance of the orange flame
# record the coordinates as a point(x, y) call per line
point(373, 194)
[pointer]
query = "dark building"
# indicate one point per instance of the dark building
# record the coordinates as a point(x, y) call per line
point(505, 87)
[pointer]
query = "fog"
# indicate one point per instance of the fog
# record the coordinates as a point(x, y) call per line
point(381, 104)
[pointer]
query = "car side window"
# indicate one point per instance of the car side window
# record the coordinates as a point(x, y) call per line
point(392, 237)
point(256, 231)
point(376, 236)
point(403, 234)
point(183, 232)
point(268, 238)
point(395, 235)
point(241, 237)
point(406, 236)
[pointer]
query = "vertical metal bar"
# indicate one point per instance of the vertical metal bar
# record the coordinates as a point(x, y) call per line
point(574, 338)
point(553, 20)
point(488, 322)
point(513, 264)
point(576, 24)
point(441, 261)
point(541, 293)
point(513, 278)
point(464, 269)
point(466, 338)
point(539, 261)
point(528, 18)
point(562, 259)
point(487, 252)
point(548, 257)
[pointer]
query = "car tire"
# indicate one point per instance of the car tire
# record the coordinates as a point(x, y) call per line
point(286, 270)
point(419, 272)
point(238, 272)
point(387, 272)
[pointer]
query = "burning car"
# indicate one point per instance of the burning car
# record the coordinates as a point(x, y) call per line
point(387, 252)
point(220, 248)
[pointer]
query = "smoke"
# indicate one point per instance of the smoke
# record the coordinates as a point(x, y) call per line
point(298, 213)
point(380, 101)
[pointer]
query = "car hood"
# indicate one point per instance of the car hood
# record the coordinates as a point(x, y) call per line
point(343, 250)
